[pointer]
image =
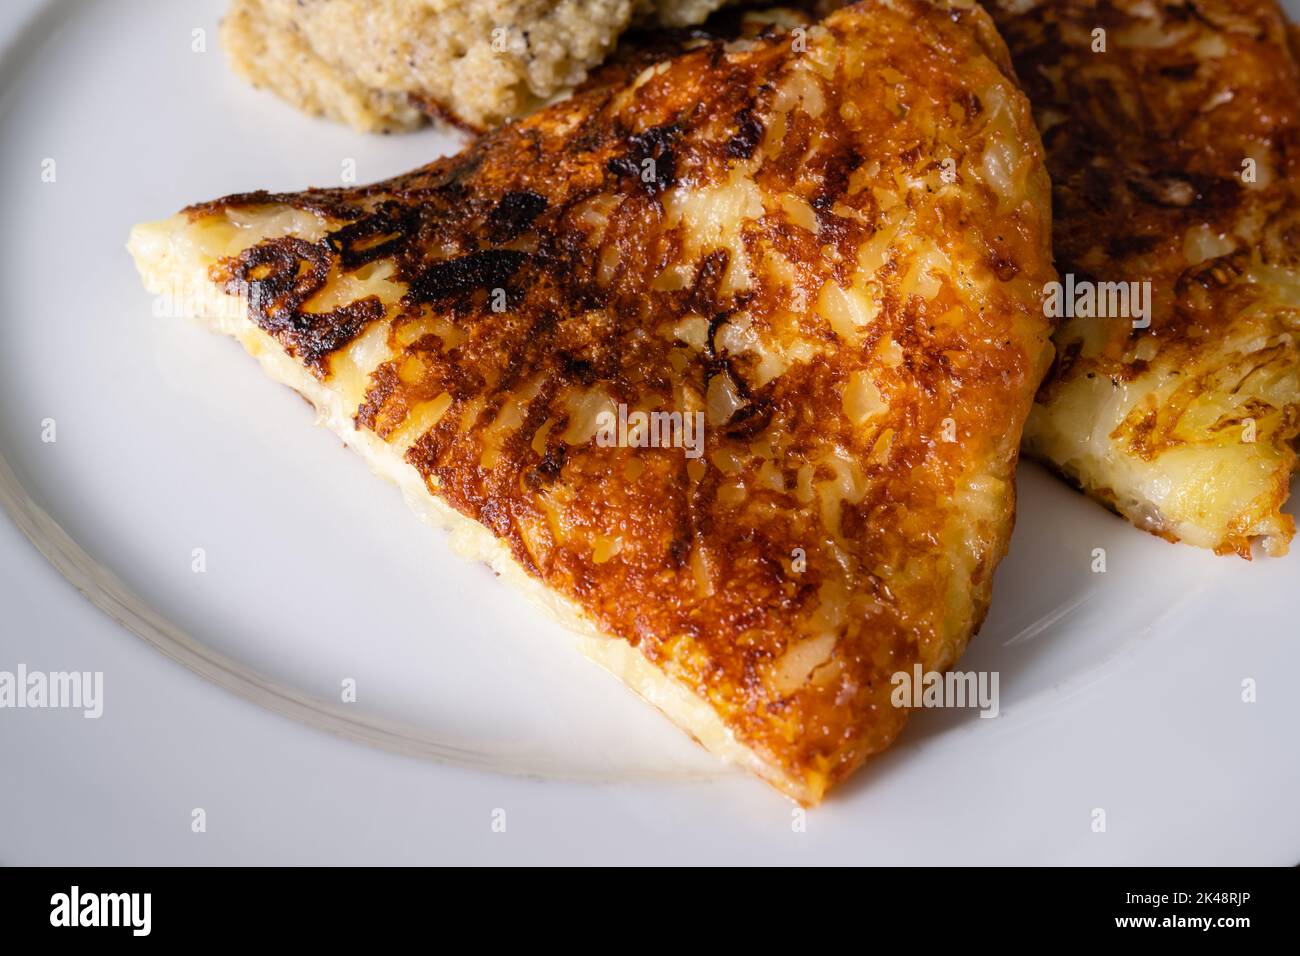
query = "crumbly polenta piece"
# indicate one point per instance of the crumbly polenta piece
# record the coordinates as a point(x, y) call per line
point(383, 65)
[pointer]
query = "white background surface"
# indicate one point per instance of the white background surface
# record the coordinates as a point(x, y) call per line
point(1119, 691)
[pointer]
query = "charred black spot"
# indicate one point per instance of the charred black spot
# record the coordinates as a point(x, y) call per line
point(552, 463)
point(316, 335)
point(750, 420)
point(278, 276)
point(1180, 71)
point(1120, 246)
point(749, 132)
point(486, 269)
point(514, 214)
point(707, 282)
point(378, 236)
point(649, 160)
point(577, 369)
point(835, 181)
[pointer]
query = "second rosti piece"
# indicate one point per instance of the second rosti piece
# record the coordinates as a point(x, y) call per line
point(1173, 139)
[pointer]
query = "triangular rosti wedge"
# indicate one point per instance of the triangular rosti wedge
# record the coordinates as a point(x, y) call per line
point(1173, 139)
point(726, 366)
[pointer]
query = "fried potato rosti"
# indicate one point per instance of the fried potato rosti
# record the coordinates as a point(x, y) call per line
point(1173, 138)
point(726, 366)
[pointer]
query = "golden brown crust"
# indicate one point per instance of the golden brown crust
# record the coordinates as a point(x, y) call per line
point(767, 235)
point(1150, 113)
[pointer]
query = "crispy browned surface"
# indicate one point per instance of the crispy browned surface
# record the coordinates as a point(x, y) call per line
point(694, 562)
point(1146, 142)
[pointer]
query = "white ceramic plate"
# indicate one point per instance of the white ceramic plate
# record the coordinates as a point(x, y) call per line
point(1119, 690)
